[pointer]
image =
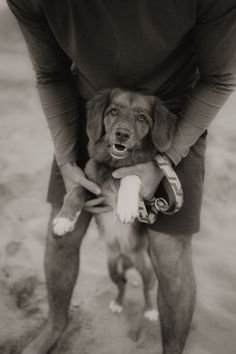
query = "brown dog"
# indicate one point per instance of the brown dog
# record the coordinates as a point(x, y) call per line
point(124, 128)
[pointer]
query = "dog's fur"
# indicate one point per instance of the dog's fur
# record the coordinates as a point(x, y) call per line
point(125, 128)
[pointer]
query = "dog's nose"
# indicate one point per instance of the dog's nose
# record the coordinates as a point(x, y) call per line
point(122, 134)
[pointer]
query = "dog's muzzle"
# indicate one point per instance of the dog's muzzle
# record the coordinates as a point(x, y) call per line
point(118, 151)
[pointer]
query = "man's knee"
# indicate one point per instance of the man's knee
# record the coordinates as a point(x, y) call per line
point(172, 261)
point(171, 255)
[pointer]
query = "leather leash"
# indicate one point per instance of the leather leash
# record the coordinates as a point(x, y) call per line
point(148, 210)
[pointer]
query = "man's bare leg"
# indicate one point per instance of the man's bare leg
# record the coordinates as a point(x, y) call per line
point(61, 268)
point(172, 261)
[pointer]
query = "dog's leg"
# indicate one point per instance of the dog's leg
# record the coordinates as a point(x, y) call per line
point(128, 198)
point(144, 266)
point(61, 267)
point(117, 275)
point(116, 236)
point(67, 217)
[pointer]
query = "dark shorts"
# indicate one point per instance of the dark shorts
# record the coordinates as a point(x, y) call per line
point(190, 172)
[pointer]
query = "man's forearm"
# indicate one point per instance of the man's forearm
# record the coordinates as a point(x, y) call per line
point(202, 105)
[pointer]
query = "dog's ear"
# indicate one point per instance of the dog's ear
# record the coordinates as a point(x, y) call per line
point(164, 123)
point(95, 111)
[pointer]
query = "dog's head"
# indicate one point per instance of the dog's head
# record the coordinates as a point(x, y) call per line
point(126, 127)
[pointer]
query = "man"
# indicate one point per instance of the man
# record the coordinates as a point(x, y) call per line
point(184, 52)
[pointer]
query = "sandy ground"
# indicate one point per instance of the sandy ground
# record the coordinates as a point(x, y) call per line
point(25, 157)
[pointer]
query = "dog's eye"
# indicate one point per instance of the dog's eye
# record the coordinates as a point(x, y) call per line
point(141, 117)
point(114, 111)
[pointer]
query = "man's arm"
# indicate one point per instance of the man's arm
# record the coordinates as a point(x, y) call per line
point(214, 42)
point(53, 75)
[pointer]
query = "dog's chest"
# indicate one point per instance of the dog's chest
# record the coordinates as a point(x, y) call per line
point(118, 235)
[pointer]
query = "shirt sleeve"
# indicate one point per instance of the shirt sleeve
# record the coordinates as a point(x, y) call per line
point(214, 41)
point(53, 75)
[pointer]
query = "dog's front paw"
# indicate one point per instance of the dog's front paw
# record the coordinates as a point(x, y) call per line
point(63, 225)
point(115, 307)
point(127, 212)
point(128, 199)
point(151, 315)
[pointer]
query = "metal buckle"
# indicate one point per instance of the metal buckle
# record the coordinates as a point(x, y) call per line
point(161, 204)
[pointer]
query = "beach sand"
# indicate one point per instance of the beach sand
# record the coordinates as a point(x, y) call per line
point(25, 158)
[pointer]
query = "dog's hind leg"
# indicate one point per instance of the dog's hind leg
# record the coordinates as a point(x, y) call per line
point(117, 265)
point(72, 206)
point(144, 266)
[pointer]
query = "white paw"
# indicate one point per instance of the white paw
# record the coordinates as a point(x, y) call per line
point(151, 315)
point(127, 213)
point(115, 307)
point(61, 225)
point(128, 199)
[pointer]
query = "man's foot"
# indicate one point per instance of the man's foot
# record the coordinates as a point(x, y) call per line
point(44, 341)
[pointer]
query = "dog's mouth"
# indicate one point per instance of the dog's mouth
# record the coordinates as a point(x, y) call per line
point(118, 151)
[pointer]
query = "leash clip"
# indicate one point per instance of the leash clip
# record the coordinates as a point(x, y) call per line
point(161, 204)
point(147, 212)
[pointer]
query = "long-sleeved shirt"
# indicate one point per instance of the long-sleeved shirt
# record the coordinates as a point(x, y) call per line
point(182, 51)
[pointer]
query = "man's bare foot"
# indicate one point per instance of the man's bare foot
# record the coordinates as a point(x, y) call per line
point(45, 340)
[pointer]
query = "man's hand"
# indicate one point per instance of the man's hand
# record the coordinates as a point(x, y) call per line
point(74, 176)
point(97, 205)
point(149, 173)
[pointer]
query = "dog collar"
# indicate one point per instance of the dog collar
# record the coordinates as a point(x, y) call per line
point(148, 210)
